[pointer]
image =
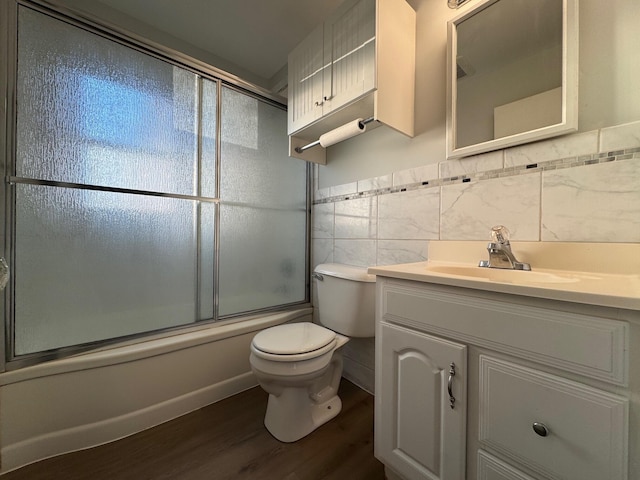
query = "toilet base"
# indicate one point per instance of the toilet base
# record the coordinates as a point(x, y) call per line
point(294, 415)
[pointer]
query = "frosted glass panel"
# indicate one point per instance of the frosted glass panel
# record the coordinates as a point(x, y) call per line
point(263, 208)
point(92, 111)
point(83, 273)
point(93, 264)
point(206, 260)
point(262, 258)
point(255, 164)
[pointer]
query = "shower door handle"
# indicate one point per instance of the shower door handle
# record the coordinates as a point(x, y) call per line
point(4, 273)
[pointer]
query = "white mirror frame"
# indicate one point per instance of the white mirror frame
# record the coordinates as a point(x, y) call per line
point(569, 121)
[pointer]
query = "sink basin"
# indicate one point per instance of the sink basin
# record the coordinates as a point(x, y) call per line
point(501, 275)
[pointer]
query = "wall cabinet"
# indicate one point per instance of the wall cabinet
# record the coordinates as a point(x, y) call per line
point(334, 65)
point(359, 63)
point(550, 385)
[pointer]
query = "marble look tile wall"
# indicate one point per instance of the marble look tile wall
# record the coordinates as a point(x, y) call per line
point(467, 208)
point(600, 202)
point(581, 187)
point(357, 218)
point(409, 215)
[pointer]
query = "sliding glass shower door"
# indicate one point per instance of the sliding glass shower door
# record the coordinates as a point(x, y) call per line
point(144, 195)
point(263, 209)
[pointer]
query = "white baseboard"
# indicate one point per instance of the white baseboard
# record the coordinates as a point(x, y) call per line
point(98, 433)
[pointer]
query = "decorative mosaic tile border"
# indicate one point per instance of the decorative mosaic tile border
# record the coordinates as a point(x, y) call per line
point(569, 162)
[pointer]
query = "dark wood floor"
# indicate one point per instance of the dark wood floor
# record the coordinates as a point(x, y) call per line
point(227, 440)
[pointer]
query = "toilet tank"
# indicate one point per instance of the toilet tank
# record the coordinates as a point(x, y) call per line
point(346, 299)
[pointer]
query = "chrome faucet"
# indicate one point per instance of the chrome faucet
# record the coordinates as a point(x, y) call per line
point(500, 254)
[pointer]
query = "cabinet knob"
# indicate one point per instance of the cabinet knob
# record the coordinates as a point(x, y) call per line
point(541, 429)
point(319, 104)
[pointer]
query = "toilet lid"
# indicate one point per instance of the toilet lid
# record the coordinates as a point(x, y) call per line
point(293, 338)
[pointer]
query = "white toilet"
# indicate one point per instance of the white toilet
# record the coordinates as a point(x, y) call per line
point(300, 364)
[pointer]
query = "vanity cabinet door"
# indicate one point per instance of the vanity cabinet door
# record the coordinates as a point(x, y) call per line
point(418, 433)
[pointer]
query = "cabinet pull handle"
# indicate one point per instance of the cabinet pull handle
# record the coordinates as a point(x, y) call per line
point(318, 104)
point(540, 428)
point(452, 373)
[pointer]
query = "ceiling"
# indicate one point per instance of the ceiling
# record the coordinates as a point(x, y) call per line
point(253, 35)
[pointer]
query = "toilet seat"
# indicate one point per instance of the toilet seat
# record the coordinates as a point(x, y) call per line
point(293, 342)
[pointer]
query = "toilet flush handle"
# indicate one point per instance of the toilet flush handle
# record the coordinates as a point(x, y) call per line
point(318, 277)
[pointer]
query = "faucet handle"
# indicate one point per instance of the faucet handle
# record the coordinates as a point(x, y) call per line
point(500, 234)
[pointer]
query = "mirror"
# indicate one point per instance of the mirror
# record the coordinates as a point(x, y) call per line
point(512, 74)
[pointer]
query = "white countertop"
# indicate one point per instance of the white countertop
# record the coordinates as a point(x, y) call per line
point(592, 280)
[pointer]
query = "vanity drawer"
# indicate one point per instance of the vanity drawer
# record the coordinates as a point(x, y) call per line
point(595, 347)
point(491, 468)
point(586, 429)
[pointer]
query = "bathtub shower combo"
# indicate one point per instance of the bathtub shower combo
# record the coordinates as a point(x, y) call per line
point(154, 224)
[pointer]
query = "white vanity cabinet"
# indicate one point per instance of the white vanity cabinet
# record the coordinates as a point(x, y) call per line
point(548, 386)
point(360, 63)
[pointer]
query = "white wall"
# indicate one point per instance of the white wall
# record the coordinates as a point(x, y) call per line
point(609, 72)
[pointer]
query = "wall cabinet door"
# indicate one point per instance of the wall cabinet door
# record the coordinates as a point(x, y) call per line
point(306, 77)
point(418, 434)
point(349, 50)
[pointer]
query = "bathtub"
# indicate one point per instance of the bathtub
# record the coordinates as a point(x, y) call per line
point(94, 398)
